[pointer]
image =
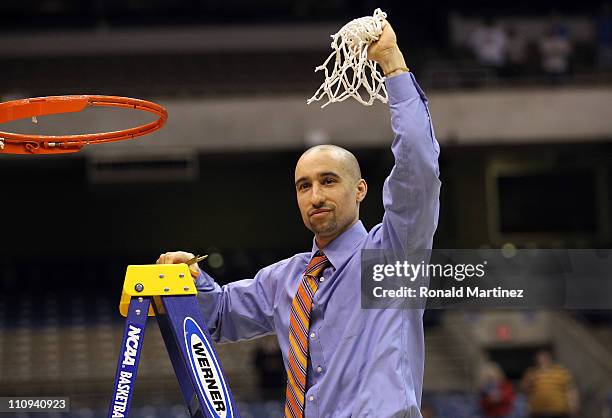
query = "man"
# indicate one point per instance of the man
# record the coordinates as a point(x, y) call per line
point(550, 389)
point(341, 360)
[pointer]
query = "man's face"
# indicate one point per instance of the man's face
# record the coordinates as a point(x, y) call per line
point(328, 193)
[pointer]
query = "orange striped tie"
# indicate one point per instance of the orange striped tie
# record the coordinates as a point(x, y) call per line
point(298, 336)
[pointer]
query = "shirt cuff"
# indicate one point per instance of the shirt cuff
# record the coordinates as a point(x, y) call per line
point(403, 87)
point(204, 283)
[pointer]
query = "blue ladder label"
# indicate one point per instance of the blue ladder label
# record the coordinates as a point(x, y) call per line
point(124, 384)
point(207, 370)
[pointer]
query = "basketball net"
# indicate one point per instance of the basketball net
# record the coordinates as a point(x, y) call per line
point(352, 69)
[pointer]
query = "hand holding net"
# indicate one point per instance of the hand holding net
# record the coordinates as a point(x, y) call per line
point(351, 68)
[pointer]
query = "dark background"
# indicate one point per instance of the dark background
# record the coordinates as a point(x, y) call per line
point(65, 240)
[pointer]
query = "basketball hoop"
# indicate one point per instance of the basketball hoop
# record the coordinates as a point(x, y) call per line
point(12, 143)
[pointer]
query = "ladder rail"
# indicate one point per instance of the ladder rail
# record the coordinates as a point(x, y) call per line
point(129, 357)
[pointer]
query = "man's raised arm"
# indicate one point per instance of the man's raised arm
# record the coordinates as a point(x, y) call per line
point(411, 192)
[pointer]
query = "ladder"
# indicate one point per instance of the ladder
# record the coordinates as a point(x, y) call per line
point(168, 292)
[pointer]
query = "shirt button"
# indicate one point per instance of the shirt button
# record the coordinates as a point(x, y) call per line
point(319, 369)
point(321, 279)
point(311, 398)
point(312, 335)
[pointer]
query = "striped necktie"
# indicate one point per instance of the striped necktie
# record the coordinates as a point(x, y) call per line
point(298, 336)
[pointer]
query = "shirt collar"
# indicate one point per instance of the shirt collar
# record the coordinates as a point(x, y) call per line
point(341, 248)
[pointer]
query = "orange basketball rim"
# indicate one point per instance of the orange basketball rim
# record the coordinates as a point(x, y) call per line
point(13, 143)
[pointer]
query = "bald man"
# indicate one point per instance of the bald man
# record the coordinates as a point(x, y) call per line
point(343, 361)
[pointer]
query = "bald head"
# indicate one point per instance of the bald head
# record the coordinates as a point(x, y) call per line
point(345, 159)
point(329, 189)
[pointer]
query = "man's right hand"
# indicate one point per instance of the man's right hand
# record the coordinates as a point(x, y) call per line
point(177, 257)
point(386, 52)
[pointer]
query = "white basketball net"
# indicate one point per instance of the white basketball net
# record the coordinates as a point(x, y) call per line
point(352, 69)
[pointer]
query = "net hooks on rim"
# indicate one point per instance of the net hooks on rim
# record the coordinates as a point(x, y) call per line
point(350, 50)
point(13, 143)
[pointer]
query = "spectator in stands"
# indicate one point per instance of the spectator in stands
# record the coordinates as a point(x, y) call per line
point(604, 36)
point(557, 23)
point(496, 395)
point(427, 410)
point(555, 50)
point(489, 44)
point(550, 388)
point(516, 54)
